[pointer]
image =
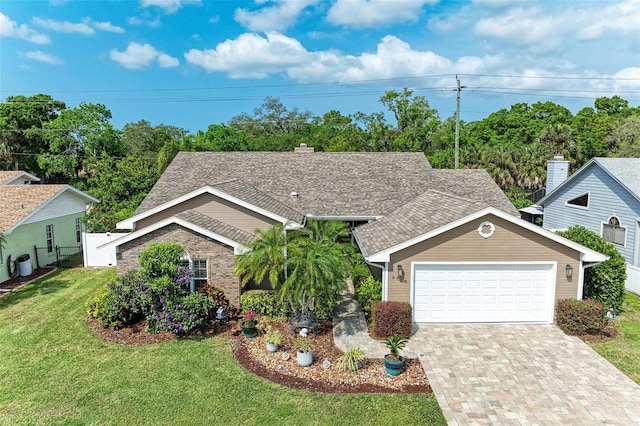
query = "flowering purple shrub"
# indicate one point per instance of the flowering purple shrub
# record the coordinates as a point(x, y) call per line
point(186, 315)
point(122, 302)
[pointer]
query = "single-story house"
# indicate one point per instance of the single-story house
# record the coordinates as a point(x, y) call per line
point(603, 196)
point(447, 241)
point(36, 221)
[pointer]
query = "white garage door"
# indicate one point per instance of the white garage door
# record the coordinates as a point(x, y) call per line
point(483, 293)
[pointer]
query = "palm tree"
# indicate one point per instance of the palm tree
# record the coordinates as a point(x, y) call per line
point(266, 257)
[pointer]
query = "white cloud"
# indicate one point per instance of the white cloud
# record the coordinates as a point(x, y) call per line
point(9, 28)
point(64, 27)
point(542, 30)
point(108, 27)
point(254, 56)
point(40, 56)
point(169, 6)
point(138, 56)
point(138, 20)
point(370, 13)
point(251, 56)
point(278, 17)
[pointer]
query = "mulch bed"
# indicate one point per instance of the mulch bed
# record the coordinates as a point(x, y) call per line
point(18, 282)
point(253, 356)
point(609, 333)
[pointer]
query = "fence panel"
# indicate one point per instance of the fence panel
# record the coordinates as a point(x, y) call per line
point(633, 279)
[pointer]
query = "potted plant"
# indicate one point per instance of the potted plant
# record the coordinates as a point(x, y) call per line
point(273, 337)
point(304, 355)
point(393, 362)
point(351, 359)
point(249, 323)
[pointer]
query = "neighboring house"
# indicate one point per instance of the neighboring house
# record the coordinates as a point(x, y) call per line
point(447, 241)
point(603, 196)
point(43, 216)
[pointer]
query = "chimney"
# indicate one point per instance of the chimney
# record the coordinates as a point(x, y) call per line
point(303, 148)
point(557, 172)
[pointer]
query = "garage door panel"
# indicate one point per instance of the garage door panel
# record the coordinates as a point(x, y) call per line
point(483, 293)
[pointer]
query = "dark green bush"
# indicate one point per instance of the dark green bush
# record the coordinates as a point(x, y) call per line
point(121, 302)
point(604, 282)
point(263, 303)
point(577, 317)
point(391, 318)
point(367, 292)
point(161, 259)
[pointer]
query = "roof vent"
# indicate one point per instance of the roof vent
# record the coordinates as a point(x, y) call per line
point(294, 194)
point(303, 148)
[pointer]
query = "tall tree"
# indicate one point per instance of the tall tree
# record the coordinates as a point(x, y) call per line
point(21, 118)
point(146, 141)
point(76, 136)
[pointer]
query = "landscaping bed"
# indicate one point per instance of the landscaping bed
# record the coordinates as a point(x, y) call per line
point(253, 356)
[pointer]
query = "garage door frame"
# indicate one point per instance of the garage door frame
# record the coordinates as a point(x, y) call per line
point(550, 295)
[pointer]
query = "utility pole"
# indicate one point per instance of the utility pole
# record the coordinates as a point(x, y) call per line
point(457, 148)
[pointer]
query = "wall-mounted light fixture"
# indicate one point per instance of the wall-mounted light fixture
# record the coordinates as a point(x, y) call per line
point(400, 272)
point(569, 270)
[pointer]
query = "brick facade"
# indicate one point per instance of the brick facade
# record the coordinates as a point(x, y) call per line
point(220, 258)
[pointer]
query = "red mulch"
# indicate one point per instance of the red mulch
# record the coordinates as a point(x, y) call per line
point(609, 333)
point(253, 356)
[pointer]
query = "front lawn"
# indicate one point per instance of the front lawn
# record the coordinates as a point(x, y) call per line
point(54, 370)
point(624, 350)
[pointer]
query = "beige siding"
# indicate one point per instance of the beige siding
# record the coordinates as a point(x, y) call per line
point(217, 208)
point(510, 243)
point(220, 258)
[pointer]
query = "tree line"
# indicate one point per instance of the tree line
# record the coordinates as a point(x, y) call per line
point(39, 134)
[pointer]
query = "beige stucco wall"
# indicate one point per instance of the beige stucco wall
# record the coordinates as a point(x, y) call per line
point(220, 258)
point(510, 243)
point(216, 208)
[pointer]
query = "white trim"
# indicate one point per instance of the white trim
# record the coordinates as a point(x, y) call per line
point(575, 206)
point(31, 177)
point(87, 198)
point(131, 222)
point(580, 281)
point(586, 254)
point(553, 275)
point(238, 248)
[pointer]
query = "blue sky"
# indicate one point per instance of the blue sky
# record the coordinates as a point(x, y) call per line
point(191, 63)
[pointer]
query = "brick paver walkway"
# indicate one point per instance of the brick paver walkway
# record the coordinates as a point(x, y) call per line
point(507, 374)
point(523, 374)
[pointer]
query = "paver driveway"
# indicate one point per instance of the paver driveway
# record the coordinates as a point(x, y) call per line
point(522, 374)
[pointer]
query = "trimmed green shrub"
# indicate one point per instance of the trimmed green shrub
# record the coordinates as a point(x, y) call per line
point(391, 318)
point(263, 303)
point(161, 259)
point(577, 317)
point(367, 292)
point(604, 282)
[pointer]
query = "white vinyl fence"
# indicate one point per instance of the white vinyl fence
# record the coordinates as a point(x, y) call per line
point(633, 279)
point(93, 256)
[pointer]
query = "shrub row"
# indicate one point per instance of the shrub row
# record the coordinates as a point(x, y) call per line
point(265, 303)
point(391, 318)
point(577, 317)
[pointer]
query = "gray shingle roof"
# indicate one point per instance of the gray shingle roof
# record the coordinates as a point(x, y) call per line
point(327, 184)
point(429, 211)
point(215, 226)
point(626, 170)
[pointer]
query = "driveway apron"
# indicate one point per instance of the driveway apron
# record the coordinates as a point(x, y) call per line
point(522, 374)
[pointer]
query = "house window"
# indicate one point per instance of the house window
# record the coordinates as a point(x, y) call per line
point(612, 232)
point(78, 230)
point(49, 239)
point(199, 272)
point(579, 201)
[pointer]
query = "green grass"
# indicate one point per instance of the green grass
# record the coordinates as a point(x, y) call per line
point(54, 370)
point(624, 350)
